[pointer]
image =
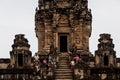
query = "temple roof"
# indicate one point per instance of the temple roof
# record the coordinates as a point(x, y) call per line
point(4, 60)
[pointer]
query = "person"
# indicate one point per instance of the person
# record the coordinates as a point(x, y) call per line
point(36, 57)
point(45, 63)
point(73, 49)
point(72, 63)
point(77, 59)
point(52, 48)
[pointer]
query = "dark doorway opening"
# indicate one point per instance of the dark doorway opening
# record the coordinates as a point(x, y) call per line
point(20, 60)
point(63, 43)
point(106, 61)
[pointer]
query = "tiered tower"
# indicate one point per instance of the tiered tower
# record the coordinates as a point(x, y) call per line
point(20, 54)
point(63, 23)
point(105, 55)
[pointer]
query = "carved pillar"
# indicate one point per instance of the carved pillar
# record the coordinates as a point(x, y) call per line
point(71, 19)
point(87, 34)
point(79, 35)
point(55, 39)
point(40, 33)
point(72, 35)
point(48, 35)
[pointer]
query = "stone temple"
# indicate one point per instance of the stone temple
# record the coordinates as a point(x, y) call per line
point(63, 29)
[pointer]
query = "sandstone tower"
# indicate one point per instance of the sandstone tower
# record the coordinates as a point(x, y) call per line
point(105, 55)
point(63, 23)
point(63, 29)
point(20, 56)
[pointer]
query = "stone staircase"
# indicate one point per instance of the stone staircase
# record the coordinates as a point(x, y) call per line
point(63, 71)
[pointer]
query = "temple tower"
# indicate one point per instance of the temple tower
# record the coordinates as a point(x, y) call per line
point(105, 56)
point(20, 56)
point(63, 23)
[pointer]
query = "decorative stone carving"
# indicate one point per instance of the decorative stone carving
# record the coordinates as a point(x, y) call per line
point(20, 54)
point(105, 55)
point(64, 17)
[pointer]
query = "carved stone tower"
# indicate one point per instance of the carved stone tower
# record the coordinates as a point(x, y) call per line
point(105, 56)
point(63, 23)
point(20, 56)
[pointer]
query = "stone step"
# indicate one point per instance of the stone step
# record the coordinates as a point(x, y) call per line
point(64, 63)
point(61, 74)
point(62, 59)
point(62, 67)
point(63, 71)
point(63, 79)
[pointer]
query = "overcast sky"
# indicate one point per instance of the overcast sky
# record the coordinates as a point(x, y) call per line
point(17, 16)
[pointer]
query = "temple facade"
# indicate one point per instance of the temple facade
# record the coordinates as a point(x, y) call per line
point(63, 23)
point(63, 29)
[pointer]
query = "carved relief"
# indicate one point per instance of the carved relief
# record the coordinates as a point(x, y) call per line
point(47, 5)
point(56, 17)
point(20, 54)
point(49, 37)
point(77, 35)
point(105, 51)
point(63, 20)
point(63, 4)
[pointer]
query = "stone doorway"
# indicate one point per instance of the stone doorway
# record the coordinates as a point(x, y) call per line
point(63, 42)
point(20, 60)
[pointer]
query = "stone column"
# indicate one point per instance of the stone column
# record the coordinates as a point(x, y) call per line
point(72, 35)
point(48, 35)
point(79, 35)
point(54, 41)
point(87, 34)
point(40, 33)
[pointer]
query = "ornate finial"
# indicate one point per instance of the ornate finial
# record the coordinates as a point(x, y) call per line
point(105, 42)
point(20, 41)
